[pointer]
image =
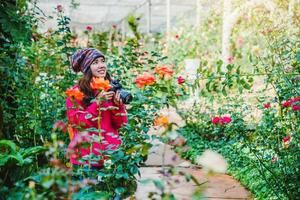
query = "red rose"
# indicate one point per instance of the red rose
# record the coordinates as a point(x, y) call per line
point(267, 105)
point(286, 139)
point(286, 104)
point(177, 36)
point(180, 80)
point(89, 28)
point(215, 120)
point(296, 99)
point(296, 107)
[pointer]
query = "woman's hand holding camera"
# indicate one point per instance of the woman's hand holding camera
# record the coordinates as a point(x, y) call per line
point(117, 98)
point(111, 95)
point(105, 96)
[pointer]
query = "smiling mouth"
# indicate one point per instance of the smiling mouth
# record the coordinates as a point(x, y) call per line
point(101, 71)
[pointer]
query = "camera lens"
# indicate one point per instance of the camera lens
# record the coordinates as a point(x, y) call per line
point(125, 96)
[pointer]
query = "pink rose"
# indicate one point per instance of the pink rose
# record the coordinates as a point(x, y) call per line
point(296, 99)
point(180, 80)
point(230, 59)
point(225, 120)
point(274, 159)
point(215, 120)
point(89, 28)
point(59, 8)
point(239, 41)
point(296, 107)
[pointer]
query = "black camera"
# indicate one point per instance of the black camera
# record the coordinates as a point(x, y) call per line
point(125, 96)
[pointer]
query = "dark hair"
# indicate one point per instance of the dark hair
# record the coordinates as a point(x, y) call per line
point(84, 86)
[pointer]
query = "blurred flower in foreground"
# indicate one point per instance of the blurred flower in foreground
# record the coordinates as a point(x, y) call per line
point(161, 121)
point(174, 118)
point(75, 93)
point(212, 162)
point(100, 84)
point(167, 117)
point(60, 125)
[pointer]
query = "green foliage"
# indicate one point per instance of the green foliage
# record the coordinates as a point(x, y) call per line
point(16, 163)
point(263, 154)
point(133, 25)
point(15, 30)
point(99, 41)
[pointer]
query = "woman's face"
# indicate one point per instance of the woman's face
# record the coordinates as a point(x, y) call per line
point(98, 67)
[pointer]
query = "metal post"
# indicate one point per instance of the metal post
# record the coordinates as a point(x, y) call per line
point(226, 31)
point(168, 20)
point(198, 2)
point(123, 30)
point(148, 7)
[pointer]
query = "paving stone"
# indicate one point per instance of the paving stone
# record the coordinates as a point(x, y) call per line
point(155, 157)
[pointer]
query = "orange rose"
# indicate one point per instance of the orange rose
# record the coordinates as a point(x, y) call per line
point(74, 93)
point(100, 84)
point(161, 121)
point(145, 79)
point(163, 71)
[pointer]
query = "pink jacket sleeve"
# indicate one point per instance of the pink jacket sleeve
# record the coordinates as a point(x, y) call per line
point(119, 117)
point(80, 116)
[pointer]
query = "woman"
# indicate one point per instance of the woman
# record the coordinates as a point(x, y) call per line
point(83, 113)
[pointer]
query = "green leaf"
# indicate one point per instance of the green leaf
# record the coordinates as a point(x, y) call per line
point(33, 151)
point(159, 184)
point(219, 65)
point(298, 55)
point(238, 70)
point(224, 92)
point(47, 182)
point(7, 143)
point(229, 67)
point(120, 190)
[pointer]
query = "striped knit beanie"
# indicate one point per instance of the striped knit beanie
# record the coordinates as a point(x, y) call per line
point(83, 58)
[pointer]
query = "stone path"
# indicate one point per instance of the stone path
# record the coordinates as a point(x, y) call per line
point(215, 187)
